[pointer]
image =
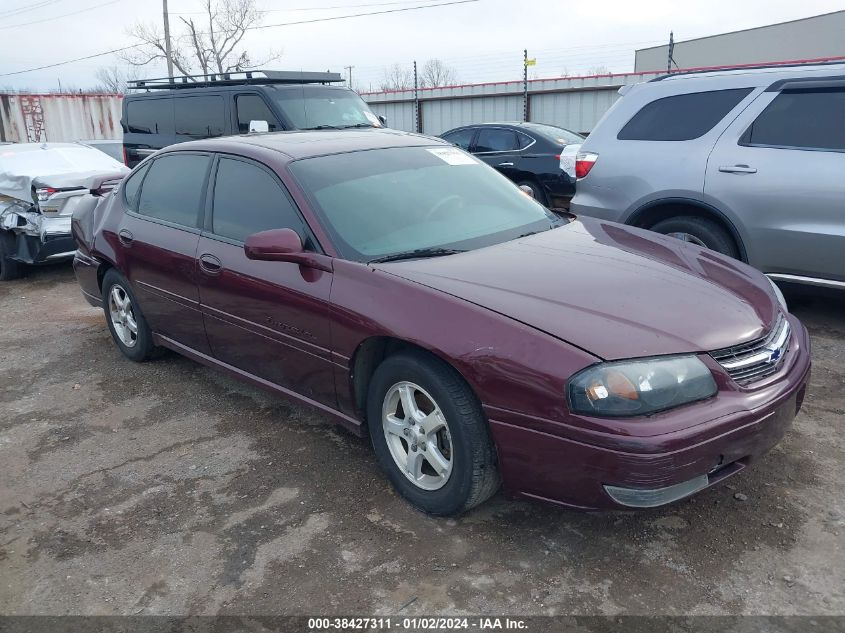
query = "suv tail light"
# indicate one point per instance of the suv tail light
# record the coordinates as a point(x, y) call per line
point(584, 162)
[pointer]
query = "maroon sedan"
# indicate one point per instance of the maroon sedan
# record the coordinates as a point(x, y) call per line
point(411, 292)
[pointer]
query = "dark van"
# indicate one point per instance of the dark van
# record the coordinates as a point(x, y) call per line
point(161, 112)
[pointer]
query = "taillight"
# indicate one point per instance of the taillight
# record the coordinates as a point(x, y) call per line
point(125, 157)
point(44, 194)
point(584, 162)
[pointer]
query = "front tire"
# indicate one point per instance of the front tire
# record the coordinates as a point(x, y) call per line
point(126, 322)
point(430, 435)
point(699, 231)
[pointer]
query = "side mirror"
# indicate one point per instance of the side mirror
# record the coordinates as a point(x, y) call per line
point(276, 245)
point(283, 245)
point(528, 191)
point(383, 120)
point(259, 126)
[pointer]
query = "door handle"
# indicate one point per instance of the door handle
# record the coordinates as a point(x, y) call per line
point(737, 169)
point(505, 164)
point(210, 264)
point(125, 237)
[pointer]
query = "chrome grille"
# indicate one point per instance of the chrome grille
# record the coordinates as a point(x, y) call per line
point(752, 361)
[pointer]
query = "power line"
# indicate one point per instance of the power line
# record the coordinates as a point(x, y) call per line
point(252, 28)
point(337, 6)
point(31, 7)
point(57, 17)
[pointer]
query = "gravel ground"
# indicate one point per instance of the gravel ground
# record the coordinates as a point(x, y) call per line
point(167, 488)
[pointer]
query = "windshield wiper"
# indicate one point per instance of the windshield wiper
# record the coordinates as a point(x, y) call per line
point(418, 253)
point(354, 125)
point(323, 127)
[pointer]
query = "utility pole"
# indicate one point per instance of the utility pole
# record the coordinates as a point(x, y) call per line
point(416, 101)
point(670, 58)
point(349, 71)
point(167, 50)
point(525, 85)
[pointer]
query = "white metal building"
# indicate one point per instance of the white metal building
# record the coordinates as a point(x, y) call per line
point(819, 37)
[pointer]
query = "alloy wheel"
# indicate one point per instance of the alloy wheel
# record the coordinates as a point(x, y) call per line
point(417, 435)
point(123, 316)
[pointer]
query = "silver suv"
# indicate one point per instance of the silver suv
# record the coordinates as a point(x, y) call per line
point(748, 162)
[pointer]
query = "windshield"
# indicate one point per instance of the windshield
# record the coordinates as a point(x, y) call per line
point(314, 106)
point(398, 200)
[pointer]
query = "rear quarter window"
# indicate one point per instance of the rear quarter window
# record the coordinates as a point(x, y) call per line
point(681, 117)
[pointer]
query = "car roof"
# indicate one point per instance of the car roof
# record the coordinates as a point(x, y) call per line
point(756, 75)
point(298, 144)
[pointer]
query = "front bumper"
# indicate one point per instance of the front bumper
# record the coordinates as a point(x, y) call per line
point(648, 471)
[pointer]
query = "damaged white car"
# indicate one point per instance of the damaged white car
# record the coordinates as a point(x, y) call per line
point(41, 185)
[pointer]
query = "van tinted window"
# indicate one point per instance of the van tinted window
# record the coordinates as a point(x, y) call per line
point(809, 119)
point(253, 108)
point(150, 116)
point(173, 188)
point(247, 199)
point(682, 117)
point(200, 117)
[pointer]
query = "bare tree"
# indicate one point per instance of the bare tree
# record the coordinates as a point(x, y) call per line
point(601, 69)
point(397, 77)
point(114, 79)
point(211, 44)
point(435, 74)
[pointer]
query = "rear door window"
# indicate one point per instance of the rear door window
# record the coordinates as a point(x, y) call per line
point(496, 140)
point(681, 117)
point(173, 188)
point(248, 199)
point(252, 108)
point(149, 116)
point(802, 119)
point(461, 138)
point(200, 117)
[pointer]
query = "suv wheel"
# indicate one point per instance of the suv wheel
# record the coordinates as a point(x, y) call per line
point(699, 231)
point(9, 268)
point(126, 323)
point(430, 435)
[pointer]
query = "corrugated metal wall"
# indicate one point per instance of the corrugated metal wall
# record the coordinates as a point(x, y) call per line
point(575, 103)
point(26, 118)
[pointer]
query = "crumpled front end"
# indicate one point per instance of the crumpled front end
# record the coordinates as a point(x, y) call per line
point(40, 236)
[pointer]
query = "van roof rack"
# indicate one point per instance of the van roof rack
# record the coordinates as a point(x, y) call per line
point(239, 78)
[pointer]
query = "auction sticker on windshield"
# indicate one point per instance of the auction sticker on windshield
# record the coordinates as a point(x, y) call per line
point(453, 156)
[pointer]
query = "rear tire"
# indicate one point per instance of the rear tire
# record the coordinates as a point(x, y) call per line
point(126, 322)
point(700, 231)
point(457, 470)
point(9, 268)
point(539, 194)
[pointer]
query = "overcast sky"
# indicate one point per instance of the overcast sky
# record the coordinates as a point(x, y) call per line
point(481, 40)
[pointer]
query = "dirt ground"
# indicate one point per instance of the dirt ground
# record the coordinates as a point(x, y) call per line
point(167, 488)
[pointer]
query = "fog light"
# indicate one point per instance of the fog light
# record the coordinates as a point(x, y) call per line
point(653, 497)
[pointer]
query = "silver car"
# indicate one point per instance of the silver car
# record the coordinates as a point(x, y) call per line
point(748, 162)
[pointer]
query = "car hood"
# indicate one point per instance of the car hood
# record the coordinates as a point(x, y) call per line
point(612, 290)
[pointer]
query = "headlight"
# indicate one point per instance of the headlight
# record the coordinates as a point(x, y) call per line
point(639, 387)
point(779, 295)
